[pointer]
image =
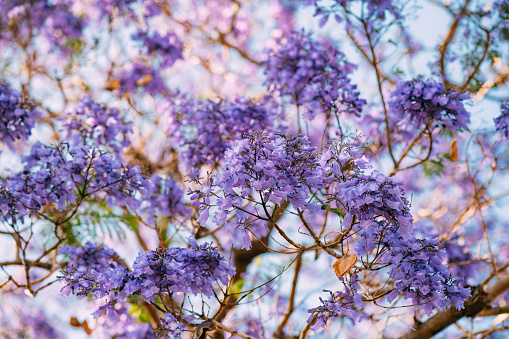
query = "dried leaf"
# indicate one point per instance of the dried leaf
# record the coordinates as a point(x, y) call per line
point(74, 322)
point(143, 80)
point(111, 85)
point(84, 325)
point(454, 150)
point(343, 265)
point(347, 166)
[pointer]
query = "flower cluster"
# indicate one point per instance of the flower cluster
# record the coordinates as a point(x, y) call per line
point(417, 265)
point(385, 226)
point(94, 124)
point(62, 26)
point(168, 46)
point(171, 327)
point(419, 272)
point(163, 197)
point(124, 326)
point(415, 104)
point(53, 21)
point(313, 75)
point(17, 115)
point(90, 254)
point(25, 321)
point(368, 196)
point(96, 269)
point(188, 270)
point(92, 269)
point(375, 207)
point(347, 303)
point(207, 129)
point(266, 169)
point(502, 121)
point(57, 175)
point(137, 75)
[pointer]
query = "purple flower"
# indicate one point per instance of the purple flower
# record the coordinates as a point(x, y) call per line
point(17, 116)
point(313, 75)
point(58, 174)
point(97, 269)
point(93, 124)
point(124, 326)
point(205, 130)
point(267, 170)
point(190, 270)
point(138, 76)
point(415, 104)
point(163, 197)
point(348, 303)
point(168, 46)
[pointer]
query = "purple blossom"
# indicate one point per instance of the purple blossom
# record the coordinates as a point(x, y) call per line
point(92, 269)
point(502, 121)
point(171, 327)
point(59, 174)
point(138, 76)
point(347, 303)
point(420, 273)
point(124, 326)
point(313, 75)
point(62, 26)
point(459, 258)
point(94, 124)
point(375, 207)
point(415, 104)
point(384, 222)
point(189, 270)
point(88, 255)
point(17, 116)
point(167, 46)
point(53, 21)
point(373, 195)
point(97, 269)
point(206, 130)
point(268, 170)
point(163, 197)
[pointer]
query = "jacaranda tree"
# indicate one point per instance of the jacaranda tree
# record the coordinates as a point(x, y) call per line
point(254, 169)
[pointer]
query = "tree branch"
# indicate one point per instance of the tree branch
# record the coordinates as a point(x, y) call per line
point(475, 304)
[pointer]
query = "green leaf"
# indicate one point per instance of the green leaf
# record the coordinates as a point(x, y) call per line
point(433, 168)
point(237, 286)
point(336, 211)
point(137, 311)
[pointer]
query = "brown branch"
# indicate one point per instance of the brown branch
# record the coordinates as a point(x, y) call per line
point(475, 304)
point(493, 311)
point(241, 260)
point(448, 39)
point(487, 45)
point(233, 332)
point(30, 263)
point(291, 302)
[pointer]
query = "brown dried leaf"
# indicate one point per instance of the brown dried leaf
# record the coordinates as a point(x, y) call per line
point(347, 166)
point(84, 325)
point(454, 150)
point(111, 85)
point(144, 80)
point(74, 322)
point(343, 265)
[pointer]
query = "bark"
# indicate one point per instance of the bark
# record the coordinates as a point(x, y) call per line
point(478, 301)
